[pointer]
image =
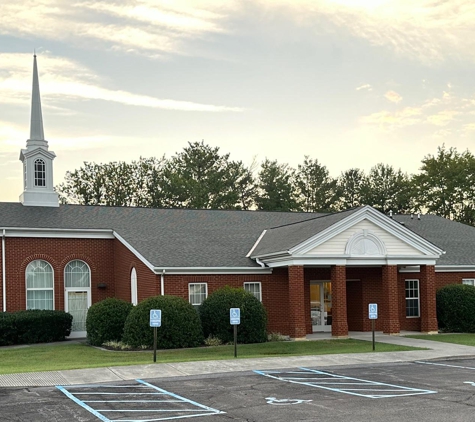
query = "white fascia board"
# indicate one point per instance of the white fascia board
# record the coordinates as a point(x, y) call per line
point(213, 270)
point(376, 217)
point(58, 233)
point(454, 268)
point(134, 251)
point(350, 261)
point(256, 243)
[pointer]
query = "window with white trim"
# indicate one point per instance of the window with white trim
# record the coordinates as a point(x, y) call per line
point(412, 298)
point(40, 173)
point(133, 287)
point(197, 293)
point(468, 281)
point(39, 285)
point(254, 287)
point(77, 274)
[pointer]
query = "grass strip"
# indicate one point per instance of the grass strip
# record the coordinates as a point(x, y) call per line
point(456, 338)
point(78, 356)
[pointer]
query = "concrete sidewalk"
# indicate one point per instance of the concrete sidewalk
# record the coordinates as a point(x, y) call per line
point(436, 350)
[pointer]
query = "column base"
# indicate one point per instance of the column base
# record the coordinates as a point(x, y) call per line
point(429, 332)
point(298, 338)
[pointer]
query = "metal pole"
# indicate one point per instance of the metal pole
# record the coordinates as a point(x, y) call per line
point(235, 340)
point(372, 325)
point(155, 344)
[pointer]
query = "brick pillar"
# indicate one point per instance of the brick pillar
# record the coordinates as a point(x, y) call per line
point(427, 299)
point(339, 315)
point(390, 306)
point(297, 306)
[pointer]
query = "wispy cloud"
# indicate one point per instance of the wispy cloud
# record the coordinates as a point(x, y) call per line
point(63, 79)
point(366, 87)
point(393, 96)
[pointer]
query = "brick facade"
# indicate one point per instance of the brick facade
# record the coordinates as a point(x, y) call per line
point(285, 292)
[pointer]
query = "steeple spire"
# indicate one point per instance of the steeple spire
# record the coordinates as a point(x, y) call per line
point(36, 124)
point(38, 189)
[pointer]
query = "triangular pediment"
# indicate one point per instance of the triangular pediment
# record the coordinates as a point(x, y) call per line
point(363, 236)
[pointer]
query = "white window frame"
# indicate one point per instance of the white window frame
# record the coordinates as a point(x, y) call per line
point(134, 294)
point(32, 289)
point(247, 288)
point(39, 173)
point(81, 288)
point(191, 296)
point(412, 280)
point(468, 281)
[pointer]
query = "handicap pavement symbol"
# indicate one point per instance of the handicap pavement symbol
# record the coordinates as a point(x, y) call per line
point(285, 402)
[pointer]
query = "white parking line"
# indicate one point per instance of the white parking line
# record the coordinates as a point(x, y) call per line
point(339, 384)
point(170, 406)
point(443, 364)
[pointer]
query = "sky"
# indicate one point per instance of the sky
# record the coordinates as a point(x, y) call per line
point(351, 83)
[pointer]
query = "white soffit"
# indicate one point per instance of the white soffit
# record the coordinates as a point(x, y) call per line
point(404, 241)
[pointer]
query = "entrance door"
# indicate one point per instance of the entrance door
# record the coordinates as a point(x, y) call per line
point(321, 305)
point(77, 303)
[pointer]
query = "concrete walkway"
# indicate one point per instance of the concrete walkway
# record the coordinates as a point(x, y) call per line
point(436, 350)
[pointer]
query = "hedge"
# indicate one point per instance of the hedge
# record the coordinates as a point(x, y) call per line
point(34, 326)
point(456, 308)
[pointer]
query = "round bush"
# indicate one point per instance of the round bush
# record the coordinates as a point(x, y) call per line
point(214, 313)
point(455, 308)
point(106, 319)
point(181, 325)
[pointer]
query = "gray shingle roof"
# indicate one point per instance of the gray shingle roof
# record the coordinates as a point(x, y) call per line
point(283, 238)
point(165, 237)
point(213, 238)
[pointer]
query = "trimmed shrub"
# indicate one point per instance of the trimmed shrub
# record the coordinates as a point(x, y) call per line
point(180, 324)
point(8, 334)
point(456, 308)
point(214, 313)
point(35, 326)
point(105, 320)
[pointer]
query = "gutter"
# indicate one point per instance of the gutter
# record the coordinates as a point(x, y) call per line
point(4, 275)
point(162, 283)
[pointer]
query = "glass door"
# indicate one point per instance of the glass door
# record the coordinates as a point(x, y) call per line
point(321, 305)
point(77, 304)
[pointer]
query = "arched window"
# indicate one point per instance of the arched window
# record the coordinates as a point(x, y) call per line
point(40, 173)
point(39, 285)
point(133, 287)
point(77, 274)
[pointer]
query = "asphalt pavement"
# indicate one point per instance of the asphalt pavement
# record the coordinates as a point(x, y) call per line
point(435, 350)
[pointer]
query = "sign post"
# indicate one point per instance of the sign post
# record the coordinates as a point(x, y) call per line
point(373, 315)
point(155, 322)
point(235, 319)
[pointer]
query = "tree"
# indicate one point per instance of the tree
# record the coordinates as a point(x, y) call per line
point(351, 186)
point(387, 189)
point(317, 190)
point(200, 178)
point(116, 184)
point(446, 185)
point(276, 189)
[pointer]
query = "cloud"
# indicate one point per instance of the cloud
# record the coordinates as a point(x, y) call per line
point(393, 96)
point(366, 87)
point(64, 79)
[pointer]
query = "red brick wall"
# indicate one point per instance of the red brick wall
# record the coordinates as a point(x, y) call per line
point(19, 252)
point(148, 283)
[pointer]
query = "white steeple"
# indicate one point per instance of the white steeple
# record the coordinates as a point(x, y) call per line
point(37, 160)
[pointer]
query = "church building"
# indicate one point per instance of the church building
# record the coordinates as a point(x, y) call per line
point(313, 272)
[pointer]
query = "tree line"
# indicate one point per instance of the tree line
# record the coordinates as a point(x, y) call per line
point(200, 177)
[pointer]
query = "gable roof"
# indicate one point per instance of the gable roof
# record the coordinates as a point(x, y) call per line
point(164, 237)
point(181, 238)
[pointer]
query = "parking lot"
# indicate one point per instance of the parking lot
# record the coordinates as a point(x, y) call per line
point(421, 391)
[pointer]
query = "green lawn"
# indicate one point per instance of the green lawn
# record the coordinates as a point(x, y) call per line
point(77, 356)
point(465, 339)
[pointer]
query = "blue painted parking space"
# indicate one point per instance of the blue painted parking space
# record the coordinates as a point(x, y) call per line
point(137, 402)
point(343, 384)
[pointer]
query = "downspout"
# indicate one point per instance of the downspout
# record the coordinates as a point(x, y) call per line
point(260, 263)
point(162, 283)
point(4, 275)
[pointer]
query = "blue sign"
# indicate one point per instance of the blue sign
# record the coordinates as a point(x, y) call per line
point(373, 311)
point(235, 316)
point(155, 318)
